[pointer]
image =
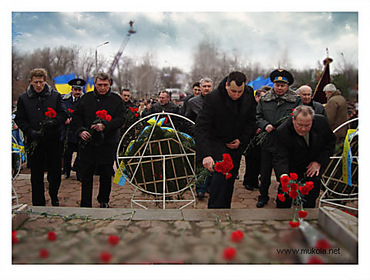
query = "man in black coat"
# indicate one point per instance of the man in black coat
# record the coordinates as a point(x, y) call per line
point(305, 92)
point(44, 132)
point(164, 104)
point(305, 145)
point(225, 125)
point(99, 139)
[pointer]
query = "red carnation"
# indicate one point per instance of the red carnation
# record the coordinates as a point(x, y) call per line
point(70, 110)
point(228, 176)
point(226, 158)
point(44, 253)
point(315, 260)
point(293, 176)
point(50, 113)
point(113, 239)
point(237, 236)
point(281, 197)
point(101, 114)
point(284, 188)
point(309, 185)
point(294, 224)
point(105, 257)
point(294, 186)
point(322, 244)
point(293, 194)
point(284, 180)
point(229, 253)
point(108, 118)
point(136, 115)
point(302, 214)
point(218, 167)
point(14, 237)
point(304, 190)
point(52, 236)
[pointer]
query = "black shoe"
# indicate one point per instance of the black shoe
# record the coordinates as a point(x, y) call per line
point(104, 205)
point(55, 202)
point(200, 195)
point(78, 177)
point(260, 204)
point(248, 187)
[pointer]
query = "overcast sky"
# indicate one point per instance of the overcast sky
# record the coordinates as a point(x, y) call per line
point(172, 37)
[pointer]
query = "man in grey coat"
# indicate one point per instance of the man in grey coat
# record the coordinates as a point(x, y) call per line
point(276, 105)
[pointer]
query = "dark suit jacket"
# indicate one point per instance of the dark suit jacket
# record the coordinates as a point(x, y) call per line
point(292, 152)
point(222, 120)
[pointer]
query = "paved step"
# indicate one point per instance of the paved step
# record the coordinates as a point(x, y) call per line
point(174, 214)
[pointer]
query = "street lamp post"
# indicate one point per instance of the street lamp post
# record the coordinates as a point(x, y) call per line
point(96, 56)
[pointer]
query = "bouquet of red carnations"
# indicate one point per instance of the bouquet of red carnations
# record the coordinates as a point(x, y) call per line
point(45, 124)
point(291, 187)
point(97, 137)
point(223, 167)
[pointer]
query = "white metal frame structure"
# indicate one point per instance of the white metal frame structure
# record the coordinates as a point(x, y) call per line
point(342, 197)
point(165, 195)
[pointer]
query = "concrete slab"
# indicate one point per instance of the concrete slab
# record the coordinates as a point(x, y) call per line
point(80, 212)
point(341, 226)
point(19, 218)
point(244, 214)
point(157, 214)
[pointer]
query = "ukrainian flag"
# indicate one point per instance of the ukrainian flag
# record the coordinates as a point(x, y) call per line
point(347, 157)
point(119, 178)
point(89, 85)
point(259, 82)
point(61, 83)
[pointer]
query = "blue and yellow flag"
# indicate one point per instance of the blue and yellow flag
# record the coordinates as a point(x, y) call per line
point(89, 85)
point(61, 83)
point(259, 82)
point(119, 178)
point(347, 157)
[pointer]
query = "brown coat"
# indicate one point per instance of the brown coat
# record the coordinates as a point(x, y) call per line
point(336, 110)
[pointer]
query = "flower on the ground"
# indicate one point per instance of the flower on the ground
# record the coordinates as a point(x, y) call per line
point(52, 236)
point(229, 253)
point(14, 237)
point(322, 244)
point(291, 187)
point(294, 224)
point(105, 257)
point(113, 239)
point(44, 253)
point(237, 236)
point(315, 260)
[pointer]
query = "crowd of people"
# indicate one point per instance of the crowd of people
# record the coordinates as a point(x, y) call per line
point(226, 118)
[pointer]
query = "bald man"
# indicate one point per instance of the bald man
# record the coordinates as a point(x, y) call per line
point(305, 92)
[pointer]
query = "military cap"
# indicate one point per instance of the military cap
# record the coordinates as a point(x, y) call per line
point(77, 83)
point(281, 75)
